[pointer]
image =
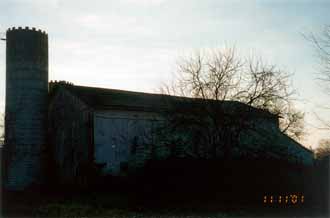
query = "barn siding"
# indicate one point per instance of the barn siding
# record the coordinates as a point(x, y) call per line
point(268, 139)
point(120, 139)
point(299, 154)
point(70, 133)
point(117, 132)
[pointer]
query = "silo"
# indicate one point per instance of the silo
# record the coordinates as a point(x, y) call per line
point(26, 106)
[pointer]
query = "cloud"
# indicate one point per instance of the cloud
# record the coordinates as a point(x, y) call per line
point(145, 2)
point(133, 44)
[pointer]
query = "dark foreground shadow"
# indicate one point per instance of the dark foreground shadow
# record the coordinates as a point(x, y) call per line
point(185, 188)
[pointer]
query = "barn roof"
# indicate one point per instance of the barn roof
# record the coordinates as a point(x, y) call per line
point(104, 99)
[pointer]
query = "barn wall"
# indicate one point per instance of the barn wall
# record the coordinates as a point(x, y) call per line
point(258, 140)
point(299, 154)
point(267, 139)
point(70, 128)
point(123, 138)
point(128, 137)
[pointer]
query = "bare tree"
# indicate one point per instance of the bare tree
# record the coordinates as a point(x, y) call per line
point(268, 88)
point(219, 79)
point(323, 149)
point(292, 122)
point(2, 129)
point(322, 44)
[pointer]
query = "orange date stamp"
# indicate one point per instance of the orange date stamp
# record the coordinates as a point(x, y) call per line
point(284, 199)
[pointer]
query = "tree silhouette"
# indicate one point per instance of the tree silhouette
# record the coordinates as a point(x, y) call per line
point(218, 76)
point(2, 129)
point(323, 149)
point(322, 44)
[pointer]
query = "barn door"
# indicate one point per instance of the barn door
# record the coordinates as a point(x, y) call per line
point(111, 143)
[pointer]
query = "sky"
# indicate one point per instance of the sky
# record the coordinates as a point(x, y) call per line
point(135, 44)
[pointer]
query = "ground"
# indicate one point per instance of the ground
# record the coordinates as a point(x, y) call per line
point(34, 204)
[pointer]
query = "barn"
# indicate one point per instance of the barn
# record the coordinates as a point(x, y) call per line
point(76, 127)
point(115, 129)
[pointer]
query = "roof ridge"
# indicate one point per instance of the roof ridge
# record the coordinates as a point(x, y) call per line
point(119, 90)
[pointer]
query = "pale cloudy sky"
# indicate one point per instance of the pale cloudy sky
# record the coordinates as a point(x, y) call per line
point(134, 44)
